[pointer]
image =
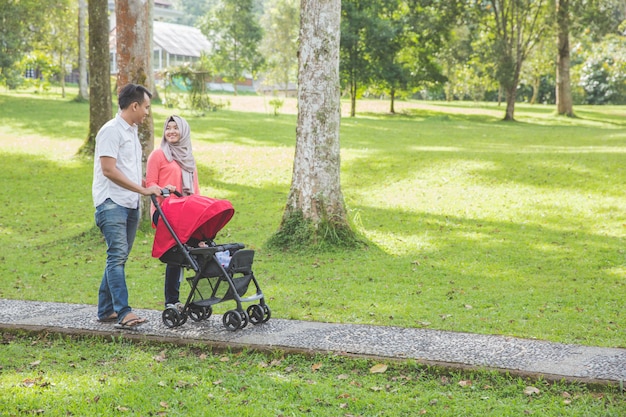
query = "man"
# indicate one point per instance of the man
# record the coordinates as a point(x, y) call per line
point(116, 189)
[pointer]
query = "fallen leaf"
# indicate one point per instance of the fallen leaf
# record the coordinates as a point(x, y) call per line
point(465, 383)
point(316, 366)
point(28, 382)
point(378, 368)
point(224, 359)
point(164, 404)
point(342, 376)
point(531, 391)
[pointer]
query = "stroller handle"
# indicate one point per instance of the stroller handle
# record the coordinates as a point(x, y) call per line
point(165, 192)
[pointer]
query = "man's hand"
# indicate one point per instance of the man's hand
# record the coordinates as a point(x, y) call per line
point(152, 190)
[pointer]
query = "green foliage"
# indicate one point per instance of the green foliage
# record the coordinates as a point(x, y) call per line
point(59, 376)
point(186, 87)
point(603, 74)
point(235, 32)
point(279, 46)
point(276, 104)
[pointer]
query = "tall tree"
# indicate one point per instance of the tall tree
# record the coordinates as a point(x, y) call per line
point(20, 24)
point(315, 211)
point(359, 20)
point(134, 63)
point(422, 30)
point(564, 102)
point(58, 37)
point(516, 26)
point(595, 17)
point(280, 23)
point(83, 93)
point(234, 31)
point(100, 110)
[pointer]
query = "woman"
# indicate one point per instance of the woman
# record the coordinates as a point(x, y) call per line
point(173, 166)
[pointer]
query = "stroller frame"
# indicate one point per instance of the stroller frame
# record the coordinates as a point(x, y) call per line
point(221, 283)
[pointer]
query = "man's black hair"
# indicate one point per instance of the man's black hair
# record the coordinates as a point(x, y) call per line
point(131, 93)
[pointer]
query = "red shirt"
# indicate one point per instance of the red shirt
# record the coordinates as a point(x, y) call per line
point(161, 172)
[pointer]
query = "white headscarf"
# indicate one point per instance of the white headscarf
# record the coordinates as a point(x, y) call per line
point(181, 152)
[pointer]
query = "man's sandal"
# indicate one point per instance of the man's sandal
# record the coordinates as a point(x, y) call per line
point(112, 318)
point(131, 321)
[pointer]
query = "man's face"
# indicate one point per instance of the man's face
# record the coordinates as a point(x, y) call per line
point(140, 111)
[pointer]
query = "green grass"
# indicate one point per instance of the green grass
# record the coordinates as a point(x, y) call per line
point(60, 376)
point(473, 224)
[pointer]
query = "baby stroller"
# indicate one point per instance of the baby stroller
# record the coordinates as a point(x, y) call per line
point(184, 236)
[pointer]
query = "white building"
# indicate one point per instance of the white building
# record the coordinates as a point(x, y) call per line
point(173, 45)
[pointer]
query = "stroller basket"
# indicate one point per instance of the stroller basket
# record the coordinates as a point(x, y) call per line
point(213, 281)
point(212, 286)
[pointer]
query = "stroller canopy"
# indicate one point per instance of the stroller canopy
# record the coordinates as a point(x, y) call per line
point(193, 216)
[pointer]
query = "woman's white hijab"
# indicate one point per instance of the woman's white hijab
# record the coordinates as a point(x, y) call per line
point(181, 152)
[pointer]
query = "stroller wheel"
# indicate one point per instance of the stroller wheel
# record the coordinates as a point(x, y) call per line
point(202, 313)
point(172, 318)
point(268, 313)
point(245, 319)
point(256, 313)
point(232, 320)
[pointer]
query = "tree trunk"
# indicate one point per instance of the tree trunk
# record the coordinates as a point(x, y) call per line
point(510, 104)
point(100, 110)
point(564, 105)
point(134, 63)
point(353, 89)
point(392, 109)
point(536, 85)
point(315, 202)
point(62, 75)
point(82, 50)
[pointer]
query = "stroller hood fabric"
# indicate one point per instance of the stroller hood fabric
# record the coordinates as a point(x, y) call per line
point(193, 216)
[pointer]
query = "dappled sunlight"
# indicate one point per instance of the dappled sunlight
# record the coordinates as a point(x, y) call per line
point(436, 149)
point(400, 244)
point(230, 161)
point(49, 148)
point(618, 272)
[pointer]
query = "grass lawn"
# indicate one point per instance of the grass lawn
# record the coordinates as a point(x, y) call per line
point(472, 225)
point(58, 376)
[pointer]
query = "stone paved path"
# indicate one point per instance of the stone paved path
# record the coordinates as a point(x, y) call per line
point(552, 361)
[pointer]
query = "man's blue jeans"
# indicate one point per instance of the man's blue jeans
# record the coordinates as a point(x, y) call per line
point(119, 227)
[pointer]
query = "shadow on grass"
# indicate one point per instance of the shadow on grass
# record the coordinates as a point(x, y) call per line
point(60, 119)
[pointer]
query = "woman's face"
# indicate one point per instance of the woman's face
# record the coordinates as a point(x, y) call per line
point(172, 135)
